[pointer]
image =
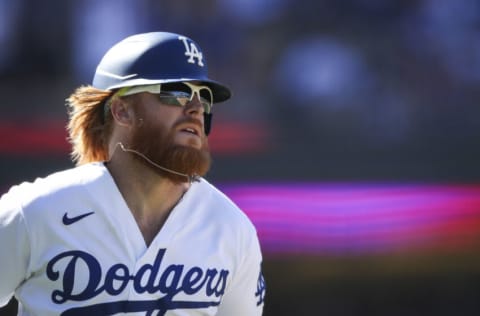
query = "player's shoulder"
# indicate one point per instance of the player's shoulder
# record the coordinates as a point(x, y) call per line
point(59, 183)
point(221, 206)
point(207, 192)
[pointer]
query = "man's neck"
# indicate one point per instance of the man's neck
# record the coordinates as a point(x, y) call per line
point(149, 196)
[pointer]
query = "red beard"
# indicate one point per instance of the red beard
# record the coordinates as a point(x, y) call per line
point(156, 143)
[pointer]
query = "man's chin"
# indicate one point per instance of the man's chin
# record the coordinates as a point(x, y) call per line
point(189, 141)
point(185, 160)
point(184, 154)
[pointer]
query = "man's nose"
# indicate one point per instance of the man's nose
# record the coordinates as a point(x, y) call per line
point(195, 106)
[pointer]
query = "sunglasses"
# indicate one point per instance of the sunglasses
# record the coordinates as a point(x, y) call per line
point(175, 93)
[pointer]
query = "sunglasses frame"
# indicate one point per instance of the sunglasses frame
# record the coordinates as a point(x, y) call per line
point(183, 100)
point(177, 95)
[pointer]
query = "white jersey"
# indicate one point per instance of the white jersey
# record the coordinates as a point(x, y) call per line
point(69, 245)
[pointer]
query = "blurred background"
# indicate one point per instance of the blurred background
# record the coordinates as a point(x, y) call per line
point(351, 140)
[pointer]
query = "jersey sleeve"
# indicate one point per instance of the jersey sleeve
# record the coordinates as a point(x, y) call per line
point(14, 248)
point(246, 293)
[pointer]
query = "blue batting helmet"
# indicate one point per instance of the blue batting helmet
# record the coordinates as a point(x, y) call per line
point(156, 57)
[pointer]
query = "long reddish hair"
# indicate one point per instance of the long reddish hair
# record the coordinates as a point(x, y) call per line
point(89, 125)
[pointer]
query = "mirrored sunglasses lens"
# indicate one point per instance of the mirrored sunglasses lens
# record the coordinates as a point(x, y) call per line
point(206, 106)
point(178, 98)
point(181, 93)
point(206, 98)
point(174, 101)
point(175, 94)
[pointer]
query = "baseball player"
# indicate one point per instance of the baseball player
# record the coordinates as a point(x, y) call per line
point(134, 228)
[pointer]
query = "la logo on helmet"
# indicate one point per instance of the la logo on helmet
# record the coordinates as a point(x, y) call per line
point(192, 51)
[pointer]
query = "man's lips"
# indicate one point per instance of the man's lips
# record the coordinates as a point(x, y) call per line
point(193, 128)
point(190, 130)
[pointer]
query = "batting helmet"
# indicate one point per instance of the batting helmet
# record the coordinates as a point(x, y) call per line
point(152, 58)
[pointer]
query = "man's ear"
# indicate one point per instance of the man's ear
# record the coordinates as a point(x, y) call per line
point(122, 112)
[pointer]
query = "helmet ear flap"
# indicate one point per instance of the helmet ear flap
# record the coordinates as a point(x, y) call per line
point(207, 122)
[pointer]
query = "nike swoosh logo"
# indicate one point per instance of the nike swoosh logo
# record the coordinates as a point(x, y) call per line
point(109, 74)
point(70, 220)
